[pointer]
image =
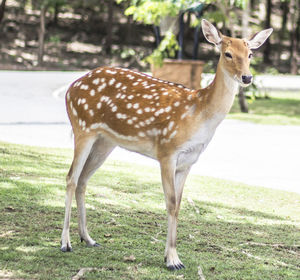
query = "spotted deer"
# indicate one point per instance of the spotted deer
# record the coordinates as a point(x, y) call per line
point(112, 106)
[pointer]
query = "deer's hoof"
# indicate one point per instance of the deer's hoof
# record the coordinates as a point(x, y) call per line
point(66, 248)
point(176, 266)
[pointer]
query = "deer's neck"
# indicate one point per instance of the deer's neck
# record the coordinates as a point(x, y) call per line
point(221, 92)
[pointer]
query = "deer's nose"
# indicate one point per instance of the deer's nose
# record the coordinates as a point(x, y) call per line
point(247, 79)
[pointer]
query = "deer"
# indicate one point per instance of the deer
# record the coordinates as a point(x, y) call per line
point(166, 121)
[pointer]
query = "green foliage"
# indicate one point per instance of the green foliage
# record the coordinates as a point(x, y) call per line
point(152, 12)
point(127, 53)
point(54, 39)
point(167, 48)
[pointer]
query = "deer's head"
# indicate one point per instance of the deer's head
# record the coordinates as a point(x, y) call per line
point(236, 53)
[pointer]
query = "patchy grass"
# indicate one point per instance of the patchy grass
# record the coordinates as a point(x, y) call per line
point(231, 230)
point(282, 108)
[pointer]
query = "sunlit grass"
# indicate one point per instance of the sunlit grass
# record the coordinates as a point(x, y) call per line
point(281, 108)
point(231, 230)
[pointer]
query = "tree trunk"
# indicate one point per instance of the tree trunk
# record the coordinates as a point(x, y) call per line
point(294, 10)
point(42, 35)
point(298, 27)
point(245, 25)
point(267, 49)
point(56, 12)
point(2, 10)
point(109, 25)
point(242, 101)
point(285, 11)
point(128, 30)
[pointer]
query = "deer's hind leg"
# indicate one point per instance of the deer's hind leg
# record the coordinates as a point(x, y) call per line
point(82, 150)
point(99, 152)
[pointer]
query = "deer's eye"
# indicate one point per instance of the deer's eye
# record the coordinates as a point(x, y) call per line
point(250, 55)
point(227, 54)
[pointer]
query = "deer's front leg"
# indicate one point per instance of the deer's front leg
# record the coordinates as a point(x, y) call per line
point(168, 170)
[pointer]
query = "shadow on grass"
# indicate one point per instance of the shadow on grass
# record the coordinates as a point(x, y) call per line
point(226, 248)
point(30, 238)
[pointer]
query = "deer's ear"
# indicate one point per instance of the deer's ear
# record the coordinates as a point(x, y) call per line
point(259, 38)
point(212, 34)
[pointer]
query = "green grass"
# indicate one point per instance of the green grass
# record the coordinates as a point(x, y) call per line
point(283, 108)
point(231, 230)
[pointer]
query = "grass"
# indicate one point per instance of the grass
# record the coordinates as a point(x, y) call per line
point(282, 108)
point(233, 231)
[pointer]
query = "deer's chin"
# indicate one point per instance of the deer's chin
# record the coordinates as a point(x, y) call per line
point(245, 85)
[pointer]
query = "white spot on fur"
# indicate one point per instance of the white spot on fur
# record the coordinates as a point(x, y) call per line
point(112, 81)
point(136, 105)
point(121, 116)
point(118, 85)
point(98, 105)
point(172, 135)
point(168, 109)
point(96, 81)
point(91, 112)
point(86, 106)
point(171, 124)
point(100, 88)
point(177, 103)
point(141, 134)
point(92, 92)
point(84, 87)
point(139, 111)
point(111, 72)
point(74, 112)
point(114, 108)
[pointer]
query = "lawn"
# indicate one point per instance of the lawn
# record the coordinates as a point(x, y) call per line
point(230, 230)
point(281, 108)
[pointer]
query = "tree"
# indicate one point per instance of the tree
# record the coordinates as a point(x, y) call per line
point(109, 27)
point(42, 29)
point(2, 10)
point(245, 24)
point(294, 14)
point(44, 5)
point(267, 49)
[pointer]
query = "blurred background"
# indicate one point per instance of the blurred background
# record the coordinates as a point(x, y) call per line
point(83, 34)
